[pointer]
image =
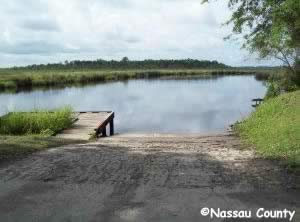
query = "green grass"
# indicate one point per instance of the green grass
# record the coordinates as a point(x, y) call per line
point(274, 129)
point(24, 133)
point(19, 146)
point(37, 122)
point(14, 80)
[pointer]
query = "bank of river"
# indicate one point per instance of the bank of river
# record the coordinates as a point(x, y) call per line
point(15, 80)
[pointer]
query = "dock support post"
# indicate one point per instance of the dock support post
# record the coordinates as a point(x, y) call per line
point(104, 131)
point(111, 127)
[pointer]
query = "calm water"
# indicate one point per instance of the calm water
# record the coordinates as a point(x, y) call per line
point(202, 105)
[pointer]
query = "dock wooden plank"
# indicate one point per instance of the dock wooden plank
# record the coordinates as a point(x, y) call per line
point(87, 124)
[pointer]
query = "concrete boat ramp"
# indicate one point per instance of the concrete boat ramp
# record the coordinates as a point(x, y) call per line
point(89, 124)
point(143, 178)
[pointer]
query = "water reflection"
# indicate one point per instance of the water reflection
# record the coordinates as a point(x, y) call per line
point(194, 105)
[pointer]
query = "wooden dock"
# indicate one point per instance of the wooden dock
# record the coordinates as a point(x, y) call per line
point(90, 124)
point(257, 102)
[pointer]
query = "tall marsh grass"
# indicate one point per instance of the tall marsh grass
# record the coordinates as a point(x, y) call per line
point(36, 122)
point(24, 79)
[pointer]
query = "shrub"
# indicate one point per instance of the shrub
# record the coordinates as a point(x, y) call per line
point(282, 81)
point(273, 90)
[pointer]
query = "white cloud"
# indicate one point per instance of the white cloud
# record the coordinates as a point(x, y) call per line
point(55, 30)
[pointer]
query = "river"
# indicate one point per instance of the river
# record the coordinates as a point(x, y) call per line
point(159, 105)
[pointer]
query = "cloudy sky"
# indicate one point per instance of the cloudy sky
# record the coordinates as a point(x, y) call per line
point(42, 31)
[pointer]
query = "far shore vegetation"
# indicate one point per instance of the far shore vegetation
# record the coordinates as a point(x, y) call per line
point(86, 72)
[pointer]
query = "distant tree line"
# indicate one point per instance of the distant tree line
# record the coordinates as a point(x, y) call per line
point(125, 63)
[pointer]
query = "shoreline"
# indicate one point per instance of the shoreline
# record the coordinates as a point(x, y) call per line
point(13, 81)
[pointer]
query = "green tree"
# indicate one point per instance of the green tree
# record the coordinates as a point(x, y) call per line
point(125, 59)
point(269, 27)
